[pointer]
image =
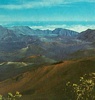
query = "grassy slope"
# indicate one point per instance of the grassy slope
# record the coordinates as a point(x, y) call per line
point(11, 69)
point(82, 54)
point(47, 83)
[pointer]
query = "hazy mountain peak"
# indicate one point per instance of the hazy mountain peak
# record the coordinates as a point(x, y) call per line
point(1, 26)
point(65, 32)
point(88, 35)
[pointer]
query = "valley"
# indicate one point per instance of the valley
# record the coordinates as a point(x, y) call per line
point(38, 63)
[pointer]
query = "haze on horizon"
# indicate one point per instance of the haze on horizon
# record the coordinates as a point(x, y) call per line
point(50, 10)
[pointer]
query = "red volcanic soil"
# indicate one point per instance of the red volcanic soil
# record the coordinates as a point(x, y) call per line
point(47, 82)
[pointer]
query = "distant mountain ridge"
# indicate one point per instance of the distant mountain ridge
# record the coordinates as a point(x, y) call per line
point(17, 33)
point(21, 41)
point(65, 32)
point(88, 35)
point(22, 36)
point(25, 30)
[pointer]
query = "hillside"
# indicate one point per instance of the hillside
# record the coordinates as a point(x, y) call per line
point(48, 82)
point(88, 35)
point(38, 63)
point(9, 69)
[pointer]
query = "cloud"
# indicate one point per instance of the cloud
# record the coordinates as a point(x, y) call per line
point(50, 27)
point(3, 16)
point(27, 4)
point(32, 4)
point(80, 28)
point(77, 28)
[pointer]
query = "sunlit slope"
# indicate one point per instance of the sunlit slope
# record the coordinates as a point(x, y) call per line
point(48, 82)
point(10, 69)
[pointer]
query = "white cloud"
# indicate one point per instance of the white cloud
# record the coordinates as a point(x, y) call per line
point(80, 28)
point(11, 6)
point(24, 4)
point(77, 28)
point(50, 27)
point(3, 17)
point(27, 5)
point(41, 3)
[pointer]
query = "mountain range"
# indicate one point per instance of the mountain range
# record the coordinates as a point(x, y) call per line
point(38, 63)
point(22, 41)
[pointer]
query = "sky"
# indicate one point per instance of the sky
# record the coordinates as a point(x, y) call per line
point(47, 10)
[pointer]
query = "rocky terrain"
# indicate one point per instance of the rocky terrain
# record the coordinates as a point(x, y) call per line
point(38, 63)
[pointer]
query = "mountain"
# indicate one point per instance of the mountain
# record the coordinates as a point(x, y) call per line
point(11, 41)
point(82, 54)
point(37, 59)
point(34, 62)
point(25, 30)
point(52, 44)
point(47, 82)
point(12, 68)
point(22, 41)
point(57, 50)
point(88, 35)
point(6, 34)
point(22, 30)
point(19, 32)
point(65, 32)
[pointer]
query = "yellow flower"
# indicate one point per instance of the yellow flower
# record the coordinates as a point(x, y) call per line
point(17, 93)
point(74, 84)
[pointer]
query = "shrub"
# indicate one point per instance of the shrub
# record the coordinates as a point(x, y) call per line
point(10, 96)
point(84, 90)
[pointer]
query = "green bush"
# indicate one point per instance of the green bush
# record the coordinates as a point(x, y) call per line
point(84, 90)
point(10, 96)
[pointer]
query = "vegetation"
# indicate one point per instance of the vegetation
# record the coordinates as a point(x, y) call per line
point(10, 96)
point(84, 90)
